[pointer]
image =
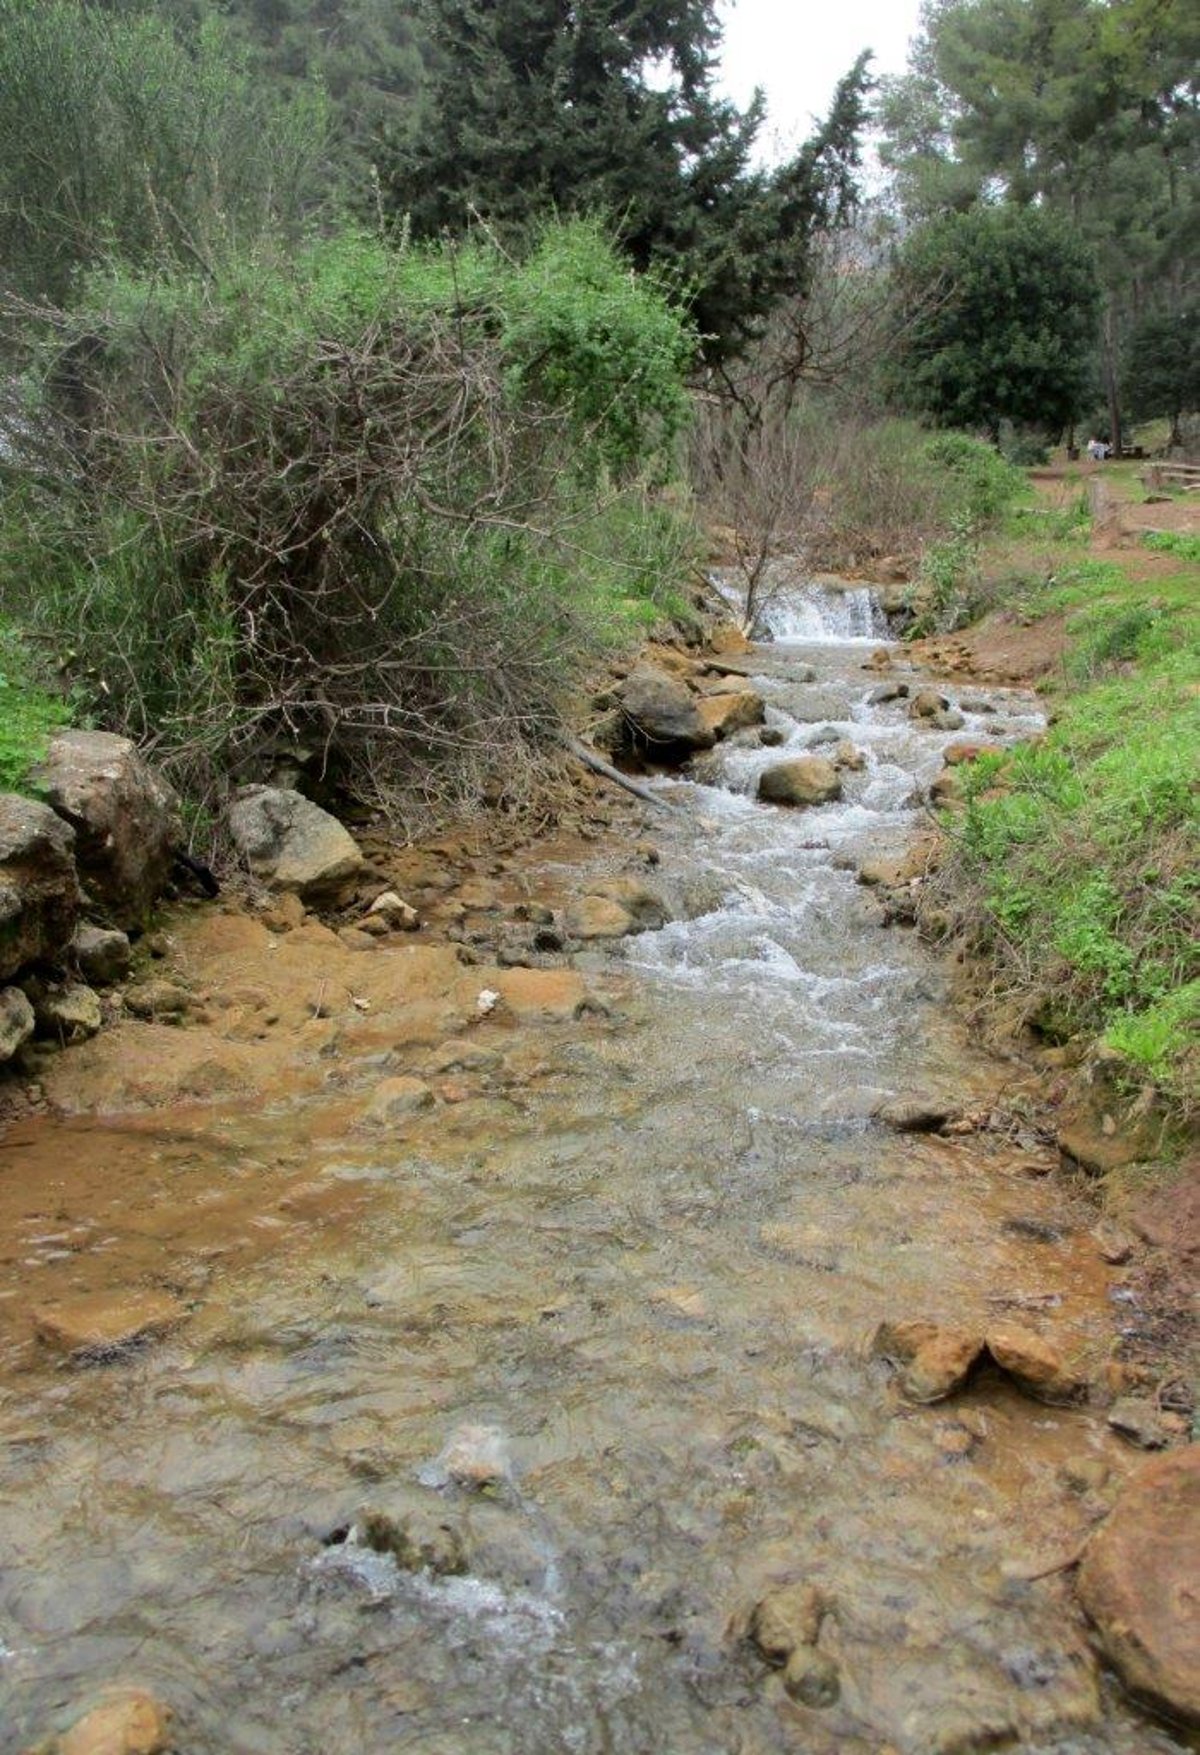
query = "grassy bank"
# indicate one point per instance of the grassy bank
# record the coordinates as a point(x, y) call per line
point(1075, 866)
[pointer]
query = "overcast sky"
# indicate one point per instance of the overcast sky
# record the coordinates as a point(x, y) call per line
point(797, 50)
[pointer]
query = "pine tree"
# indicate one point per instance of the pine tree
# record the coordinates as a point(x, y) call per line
point(609, 106)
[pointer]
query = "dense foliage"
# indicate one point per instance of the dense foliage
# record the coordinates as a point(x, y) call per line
point(1085, 108)
point(371, 506)
point(532, 107)
point(120, 140)
point(1001, 306)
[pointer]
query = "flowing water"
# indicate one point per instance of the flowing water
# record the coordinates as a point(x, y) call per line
point(628, 1282)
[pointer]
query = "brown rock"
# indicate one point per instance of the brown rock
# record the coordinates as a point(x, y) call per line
point(812, 1678)
point(787, 1619)
point(965, 750)
point(39, 891)
point(941, 1366)
point(663, 715)
point(126, 1721)
point(101, 954)
point(726, 710)
point(1035, 1365)
point(598, 917)
point(902, 1340)
point(107, 1324)
point(927, 704)
point(291, 844)
point(645, 905)
point(1140, 1422)
point(1138, 1584)
point(68, 1014)
point(727, 639)
point(161, 1000)
point(125, 818)
point(802, 781)
point(540, 996)
point(394, 1099)
point(946, 790)
point(848, 755)
point(916, 1114)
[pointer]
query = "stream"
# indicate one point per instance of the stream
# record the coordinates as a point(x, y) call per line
point(600, 1330)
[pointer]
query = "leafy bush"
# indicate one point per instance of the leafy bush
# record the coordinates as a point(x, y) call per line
point(1180, 543)
point(982, 483)
point(325, 501)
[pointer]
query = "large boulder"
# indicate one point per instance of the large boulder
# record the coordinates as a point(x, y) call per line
point(663, 715)
point(804, 780)
point(39, 891)
point(1138, 1584)
point(125, 818)
point(292, 844)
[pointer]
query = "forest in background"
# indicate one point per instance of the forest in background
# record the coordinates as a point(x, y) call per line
point(370, 369)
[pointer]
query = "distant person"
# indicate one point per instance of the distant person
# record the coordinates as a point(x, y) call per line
point(1098, 450)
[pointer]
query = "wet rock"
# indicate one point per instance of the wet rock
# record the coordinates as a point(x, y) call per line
point(103, 1327)
point(125, 818)
point(801, 782)
point(1137, 1584)
point(1035, 1365)
point(1139, 1422)
point(646, 906)
point(788, 1619)
point(927, 704)
point(703, 893)
point(417, 1543)
point(812, 1678)
point(726, 709)
point(291, 844)
point(664, 715)
point(901, 1339)
point(949, 719)
point(976, 704)
point(101, 954)
point(887, 691)
point(941, 1366)
point(397, 914)
point(158, 1001)
point(848, 755)
point(39, 889)
point(597, 917)
point(916, 1114)
point(394, 1099)
point(16, 1022)
point(1087, 1143)
point(68, 1014)
point(124, 1721)
point(772, 736)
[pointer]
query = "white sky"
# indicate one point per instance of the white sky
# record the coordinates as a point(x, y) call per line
point(797, 50)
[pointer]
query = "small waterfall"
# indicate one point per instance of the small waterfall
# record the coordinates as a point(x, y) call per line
point(817, 615)
point(791, 607)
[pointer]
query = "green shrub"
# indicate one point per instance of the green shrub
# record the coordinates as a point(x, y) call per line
point(984, 485)
point(1174, 542)
point(325, 501)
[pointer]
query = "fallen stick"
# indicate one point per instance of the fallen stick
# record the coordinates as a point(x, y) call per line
point(606, 771)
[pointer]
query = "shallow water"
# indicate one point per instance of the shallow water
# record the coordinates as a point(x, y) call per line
point(631, 1279)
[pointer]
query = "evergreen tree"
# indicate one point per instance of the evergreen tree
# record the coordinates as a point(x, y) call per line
point(1089, 107)
point(998, 327)
point(608, 106)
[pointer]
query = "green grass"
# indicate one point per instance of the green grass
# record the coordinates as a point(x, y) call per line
point(29, 714)
point(1078, 865)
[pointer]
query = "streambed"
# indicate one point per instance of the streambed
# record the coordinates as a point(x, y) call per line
point(604, 1320)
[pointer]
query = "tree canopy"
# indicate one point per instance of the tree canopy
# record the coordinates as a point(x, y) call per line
point(610, 107)
point(1001, 305)
point(1090, 108)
